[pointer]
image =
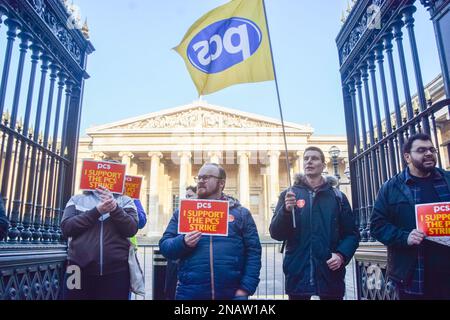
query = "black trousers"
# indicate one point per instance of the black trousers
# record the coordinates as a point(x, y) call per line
point(171, 280)
point(114, 286)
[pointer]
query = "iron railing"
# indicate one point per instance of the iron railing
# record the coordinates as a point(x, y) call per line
point(271, 286)
point(380, 67)
point(376, 75)
point(41, 89)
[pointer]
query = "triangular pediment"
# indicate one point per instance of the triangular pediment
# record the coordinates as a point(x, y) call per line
point(198, 115)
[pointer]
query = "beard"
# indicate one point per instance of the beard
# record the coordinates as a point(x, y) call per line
point(203, 193)
point(419, 164)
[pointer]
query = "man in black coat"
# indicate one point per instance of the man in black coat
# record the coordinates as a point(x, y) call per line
point(420, 268)
point(3, 221)
point(325, 237)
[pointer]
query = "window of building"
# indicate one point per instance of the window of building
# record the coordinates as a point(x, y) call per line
point(175, 202)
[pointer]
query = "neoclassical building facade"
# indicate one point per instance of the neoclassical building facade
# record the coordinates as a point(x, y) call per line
point(168, 148)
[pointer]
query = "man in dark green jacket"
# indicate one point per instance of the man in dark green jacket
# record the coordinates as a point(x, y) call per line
point(325, 237)
point(420, 268)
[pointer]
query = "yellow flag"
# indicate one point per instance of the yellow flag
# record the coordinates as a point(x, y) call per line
point(228, 45)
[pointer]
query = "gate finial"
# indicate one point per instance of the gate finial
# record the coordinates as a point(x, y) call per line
point(85, 29)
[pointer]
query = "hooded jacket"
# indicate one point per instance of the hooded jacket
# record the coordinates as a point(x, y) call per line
point(217, 266)
point(324, 225)
point(99, 243)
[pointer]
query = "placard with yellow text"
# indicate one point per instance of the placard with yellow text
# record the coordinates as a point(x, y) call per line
point(102, 173)
point(434, 220)
point(210, 217)
point(132, 186)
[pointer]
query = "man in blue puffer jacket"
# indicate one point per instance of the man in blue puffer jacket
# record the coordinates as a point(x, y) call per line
point(213, 267)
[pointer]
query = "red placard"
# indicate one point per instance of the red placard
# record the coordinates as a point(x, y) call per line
point(132, 187)
point(434, 219)
point(210, 217)
point(101, 173)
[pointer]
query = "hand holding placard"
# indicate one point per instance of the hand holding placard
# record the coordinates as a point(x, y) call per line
point(192, 238)
point(108, 203)
point(433, 220)
point(415, 237)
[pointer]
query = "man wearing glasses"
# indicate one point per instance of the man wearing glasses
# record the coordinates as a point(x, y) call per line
point(213, 267)
point(419, 268)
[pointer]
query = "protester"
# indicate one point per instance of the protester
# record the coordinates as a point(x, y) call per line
point(98, 225)
point(325, 238)
point(419, 268)
point(215, 267)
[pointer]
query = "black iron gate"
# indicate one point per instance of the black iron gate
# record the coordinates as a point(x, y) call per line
point(373, 47)
point(41, 93)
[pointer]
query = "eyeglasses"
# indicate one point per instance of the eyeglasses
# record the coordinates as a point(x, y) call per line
point(423, 150)
point(205, 177)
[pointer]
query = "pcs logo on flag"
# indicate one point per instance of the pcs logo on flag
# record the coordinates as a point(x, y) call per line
point(228, 45)
point(224, 44)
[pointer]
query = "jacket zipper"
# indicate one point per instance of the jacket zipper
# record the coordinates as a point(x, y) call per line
point(311, 261)
point(101, 247)
point(211, 265)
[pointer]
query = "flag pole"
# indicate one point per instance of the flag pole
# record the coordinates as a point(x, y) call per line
point(288, 167)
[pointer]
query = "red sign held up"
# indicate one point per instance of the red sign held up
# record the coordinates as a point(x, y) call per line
point(434, 220)
point(132, 186)
point(210, 217)
point(102, 173)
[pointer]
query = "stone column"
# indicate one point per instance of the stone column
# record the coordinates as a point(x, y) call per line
point(154, 196)
point(185, 160)
point(274, 178)
point(214, 156)
point(244, 186)
point(134, 169)
point(190, 177)
point(170, 197)
point(300, 155)
point(267, 210)
point(297, 166)
point(162, 190)
point(99, 156)
point(126, 159)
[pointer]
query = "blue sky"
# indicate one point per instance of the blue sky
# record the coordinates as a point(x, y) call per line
point(134, 71)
